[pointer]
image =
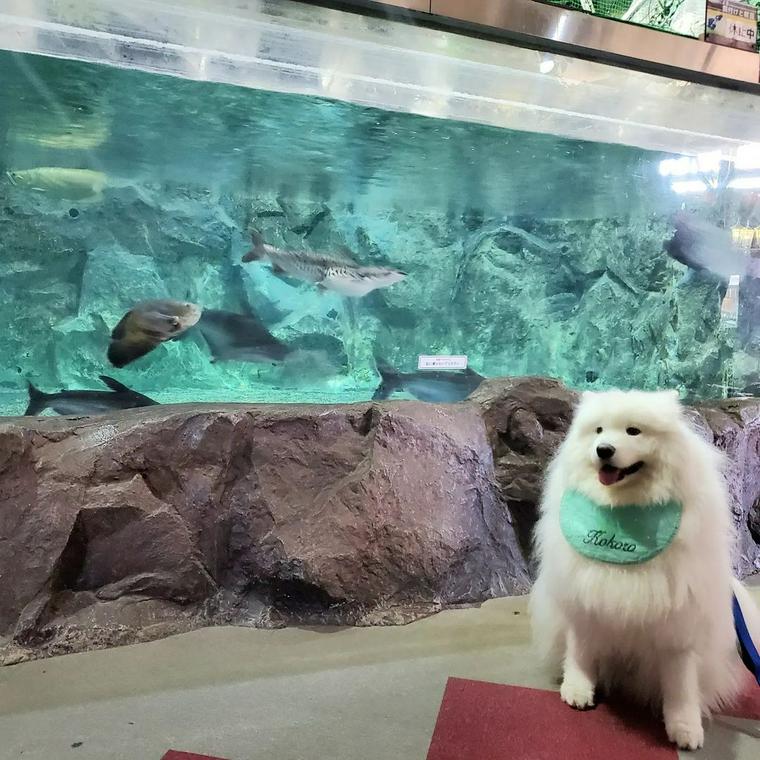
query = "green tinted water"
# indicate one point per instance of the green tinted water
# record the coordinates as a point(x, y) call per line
point(529, 253)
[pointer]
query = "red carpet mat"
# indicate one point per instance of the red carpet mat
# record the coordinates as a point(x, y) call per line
point(486, 721)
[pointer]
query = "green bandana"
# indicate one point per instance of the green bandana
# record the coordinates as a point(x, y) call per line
point(624, 535)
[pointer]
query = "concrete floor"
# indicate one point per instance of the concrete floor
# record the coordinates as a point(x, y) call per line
point(245, 694)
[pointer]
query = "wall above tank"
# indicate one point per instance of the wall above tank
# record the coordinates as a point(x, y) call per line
point(608, 39)
point(307, 49)
point(640, 43)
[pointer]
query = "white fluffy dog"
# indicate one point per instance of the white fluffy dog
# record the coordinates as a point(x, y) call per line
point(634, 590)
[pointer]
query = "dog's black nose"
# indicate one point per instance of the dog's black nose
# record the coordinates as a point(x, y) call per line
point(605, 452)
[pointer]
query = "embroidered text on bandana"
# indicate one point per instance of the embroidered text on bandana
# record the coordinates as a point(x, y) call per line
point(623, 535)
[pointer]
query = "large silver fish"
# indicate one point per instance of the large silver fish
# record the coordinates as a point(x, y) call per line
point(704, 247)
point(240, 337)
point(86, 402)
point(75, 184)
point(334, 273)
point(435, 386)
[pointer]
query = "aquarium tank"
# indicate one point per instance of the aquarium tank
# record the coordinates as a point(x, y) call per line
point(296, 303)
point(180, 224)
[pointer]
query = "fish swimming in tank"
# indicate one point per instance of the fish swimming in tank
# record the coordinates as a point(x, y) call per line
point(146, 325)
point(86, 402)
point(336, 273)
point(750, 390)
point(704, 247)
point(240, 337)
point(75, 184)
point(433, 385)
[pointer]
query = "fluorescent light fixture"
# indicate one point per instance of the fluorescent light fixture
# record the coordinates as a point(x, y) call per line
point(745, 183)
point(748, 157)
point(709, 163)
point(704, 163)
point(678, 167)
point(682, 187)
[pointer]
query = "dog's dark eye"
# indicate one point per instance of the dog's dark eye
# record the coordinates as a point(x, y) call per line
point(598, 430)
point(632, 431)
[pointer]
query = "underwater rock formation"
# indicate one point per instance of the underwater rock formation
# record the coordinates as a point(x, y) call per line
point(530, 297)
point(136, 525)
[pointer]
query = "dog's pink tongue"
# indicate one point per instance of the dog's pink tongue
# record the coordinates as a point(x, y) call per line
point(609, 475)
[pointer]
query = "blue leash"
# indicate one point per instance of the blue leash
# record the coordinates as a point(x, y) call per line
point(749, 653)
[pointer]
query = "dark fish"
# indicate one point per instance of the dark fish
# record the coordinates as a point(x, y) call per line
point(336, 273)
point(435, 385)
point(86, 402)
point(751, 390)
point(146, 325)
point(704, 247)
point(240, 337)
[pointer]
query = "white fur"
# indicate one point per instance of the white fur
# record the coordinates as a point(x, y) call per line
point(662, 631)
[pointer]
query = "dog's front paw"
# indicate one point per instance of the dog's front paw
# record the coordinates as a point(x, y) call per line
point(578, 693)
point(687, 734)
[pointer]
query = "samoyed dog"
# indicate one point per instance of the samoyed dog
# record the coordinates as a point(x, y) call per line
point(635, 586)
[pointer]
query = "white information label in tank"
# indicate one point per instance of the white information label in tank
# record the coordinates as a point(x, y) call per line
point(441, 362)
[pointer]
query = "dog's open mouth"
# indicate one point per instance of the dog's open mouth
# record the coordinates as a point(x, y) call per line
point(610, 475)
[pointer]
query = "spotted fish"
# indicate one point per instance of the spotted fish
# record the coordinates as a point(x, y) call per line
point(341, 275)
